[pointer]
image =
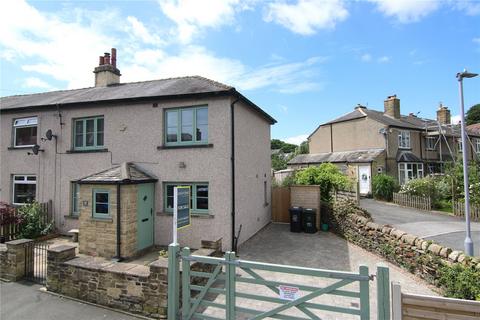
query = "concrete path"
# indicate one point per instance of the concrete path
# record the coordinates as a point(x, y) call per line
point(441, 228)
point(24, 301)
point(324, 250)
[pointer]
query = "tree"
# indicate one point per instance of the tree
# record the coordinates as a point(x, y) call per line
point(303, 148)
point(283, 146)
point(278, 162)
point(473, 115)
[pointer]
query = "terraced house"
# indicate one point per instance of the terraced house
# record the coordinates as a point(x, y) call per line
point(120, 148)
point(365, 142)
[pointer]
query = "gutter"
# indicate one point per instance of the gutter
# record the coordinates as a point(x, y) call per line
point(234, 239)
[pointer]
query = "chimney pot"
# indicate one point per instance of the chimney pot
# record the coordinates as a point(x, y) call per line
point(101, 61)
point(392, 106)
point(106, 73)
point(114, 57)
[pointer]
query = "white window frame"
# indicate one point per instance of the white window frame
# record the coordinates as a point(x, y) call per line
point(23, 123)
point(459, 145)
point(404, 168)
point(477, 146)
point(428, 143)
point(23, 181)
point(404, 139)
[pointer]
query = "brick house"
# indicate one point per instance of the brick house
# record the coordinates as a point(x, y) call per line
point(179, 131)
point(365, 142)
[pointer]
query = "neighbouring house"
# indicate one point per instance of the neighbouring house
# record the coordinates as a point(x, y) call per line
point(365, 142)
point(118, 149)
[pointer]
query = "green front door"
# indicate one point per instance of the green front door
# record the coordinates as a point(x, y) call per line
point(145, 216)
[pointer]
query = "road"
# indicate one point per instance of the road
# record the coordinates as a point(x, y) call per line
point(446, 230)
point(24, 301)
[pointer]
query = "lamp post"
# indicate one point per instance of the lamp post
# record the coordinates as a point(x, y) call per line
point(468, 240)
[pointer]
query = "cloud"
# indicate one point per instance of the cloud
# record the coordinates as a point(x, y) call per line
point(297, 139)
point(138, 30)
point(405, 11)
point(366, 57)
point(306, 17)
point(470, 7)
point(33, 82)
point(383, 59)
point(456, 119)
point(192, 16)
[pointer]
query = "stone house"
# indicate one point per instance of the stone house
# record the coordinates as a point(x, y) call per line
point(179, 131)
point(365, 142)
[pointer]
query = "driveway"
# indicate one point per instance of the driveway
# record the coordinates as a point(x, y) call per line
point(446, 230)
point(323, 250)
point(24, 301)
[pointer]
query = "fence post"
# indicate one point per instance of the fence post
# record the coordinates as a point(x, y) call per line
point(186, 294)
point(173, 281)
point(396, 301)
point(230, 285)
point(383, 292)
point(364, 294)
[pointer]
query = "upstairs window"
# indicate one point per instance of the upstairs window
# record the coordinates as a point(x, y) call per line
point(25, 132)
point(88, 133)
point(186, 126)
point(24, 189)
point(404, 139)
point(431, 143)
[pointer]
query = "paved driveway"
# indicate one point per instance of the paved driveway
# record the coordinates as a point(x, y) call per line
point(446, 230)
point(324, 250)
point(24, 301)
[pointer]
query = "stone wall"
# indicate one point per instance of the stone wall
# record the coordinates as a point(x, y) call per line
point(421, 257)
point(306, 197)
point(98, 237)
point(12, 259)
point(130, 287)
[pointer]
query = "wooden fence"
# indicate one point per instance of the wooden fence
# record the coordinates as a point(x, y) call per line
point(280, 204)
point(459, 210)
point(10, 231)
point(353, 194)
point(419, 307)
point(406, 200)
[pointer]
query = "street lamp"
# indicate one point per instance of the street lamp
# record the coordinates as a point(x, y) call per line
point(468, 240)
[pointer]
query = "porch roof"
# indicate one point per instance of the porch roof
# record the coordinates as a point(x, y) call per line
point(126, 173)
point(356, 156)
point(407, 156)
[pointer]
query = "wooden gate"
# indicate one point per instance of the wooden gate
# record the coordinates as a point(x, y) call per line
point(280, 204)
point(240, 289)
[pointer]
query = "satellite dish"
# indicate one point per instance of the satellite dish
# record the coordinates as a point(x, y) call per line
point(36, 149)
point(49, 134)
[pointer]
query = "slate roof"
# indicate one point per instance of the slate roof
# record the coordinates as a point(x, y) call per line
point(474, 128)
point(356, 156)
point(164, 88)
point(127, 172)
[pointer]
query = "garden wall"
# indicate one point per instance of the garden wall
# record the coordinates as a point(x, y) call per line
point(419, 256)
point(125, 286)
point(306, 197)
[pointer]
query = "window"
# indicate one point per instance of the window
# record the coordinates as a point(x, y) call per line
point(24, 189)
point(186, 126)
point(430, 143)
point(198, 196)
point(408, 171)
point(477, 146)
point(459, 146)
point(75, 199)
point(88, 133)
point(101, 205)
point(404, 139)
point(265, 194)
point(25, 132)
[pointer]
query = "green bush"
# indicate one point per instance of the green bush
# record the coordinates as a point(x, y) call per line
point(32, 225)
point(384, 186)
point(327, 176)
point(437, 189)
point(460, 282)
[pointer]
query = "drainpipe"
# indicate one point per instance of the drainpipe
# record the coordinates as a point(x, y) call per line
point(232, 128)
point(119, 254)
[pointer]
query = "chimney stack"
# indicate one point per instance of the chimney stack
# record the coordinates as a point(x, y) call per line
point(443, 115)
point(107, 73)
point(392, 107)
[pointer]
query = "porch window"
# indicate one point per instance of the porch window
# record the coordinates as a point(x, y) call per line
point(24, 189)
point(408, 171)
point(404, 139)
point(88, 133)
point(460, 145)
point(101, 204)
point(186, 126)
point(25, 132)
point(75, 199)
point(430, 143)
point(477, 146)
point(198, 197)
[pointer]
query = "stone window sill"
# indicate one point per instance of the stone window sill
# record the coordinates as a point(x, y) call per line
point(87, 151)
point(19, 147)
point(101, 219)
point(68, 216)
point(193, 215)
point(188, 146)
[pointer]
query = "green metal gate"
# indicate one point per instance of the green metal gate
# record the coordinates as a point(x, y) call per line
point(228, 271)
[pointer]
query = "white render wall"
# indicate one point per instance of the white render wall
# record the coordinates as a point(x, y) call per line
point(132, 133)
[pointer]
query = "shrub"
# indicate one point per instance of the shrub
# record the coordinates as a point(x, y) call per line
point(434, 188)
point(327, 176)
point(460, 282)
point(384, 186)
point(32, 225)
